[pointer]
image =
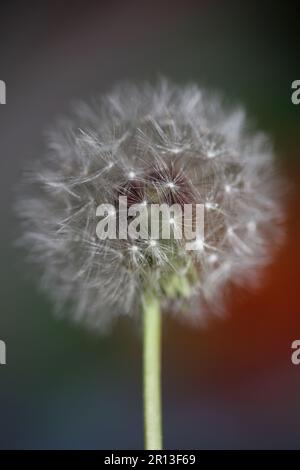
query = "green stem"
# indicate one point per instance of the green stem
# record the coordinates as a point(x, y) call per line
point(152, 372)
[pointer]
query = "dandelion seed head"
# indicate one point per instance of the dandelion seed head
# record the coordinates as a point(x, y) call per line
point(186, 148)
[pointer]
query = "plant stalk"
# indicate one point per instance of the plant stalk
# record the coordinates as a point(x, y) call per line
point(152, 372)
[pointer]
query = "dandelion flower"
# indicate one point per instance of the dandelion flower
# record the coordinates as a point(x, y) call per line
point(159, 144)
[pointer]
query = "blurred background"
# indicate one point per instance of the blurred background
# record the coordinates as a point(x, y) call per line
point(229, 386)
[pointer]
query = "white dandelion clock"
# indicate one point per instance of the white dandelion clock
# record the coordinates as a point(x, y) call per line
point(152, 146)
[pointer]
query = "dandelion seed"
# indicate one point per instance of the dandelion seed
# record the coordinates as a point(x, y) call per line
point(131, 175)
point(251, 226)
point(212, 258)
point(199, 244)
point(211, 205)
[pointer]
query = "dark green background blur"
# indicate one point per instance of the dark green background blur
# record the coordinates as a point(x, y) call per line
point(231, 385)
